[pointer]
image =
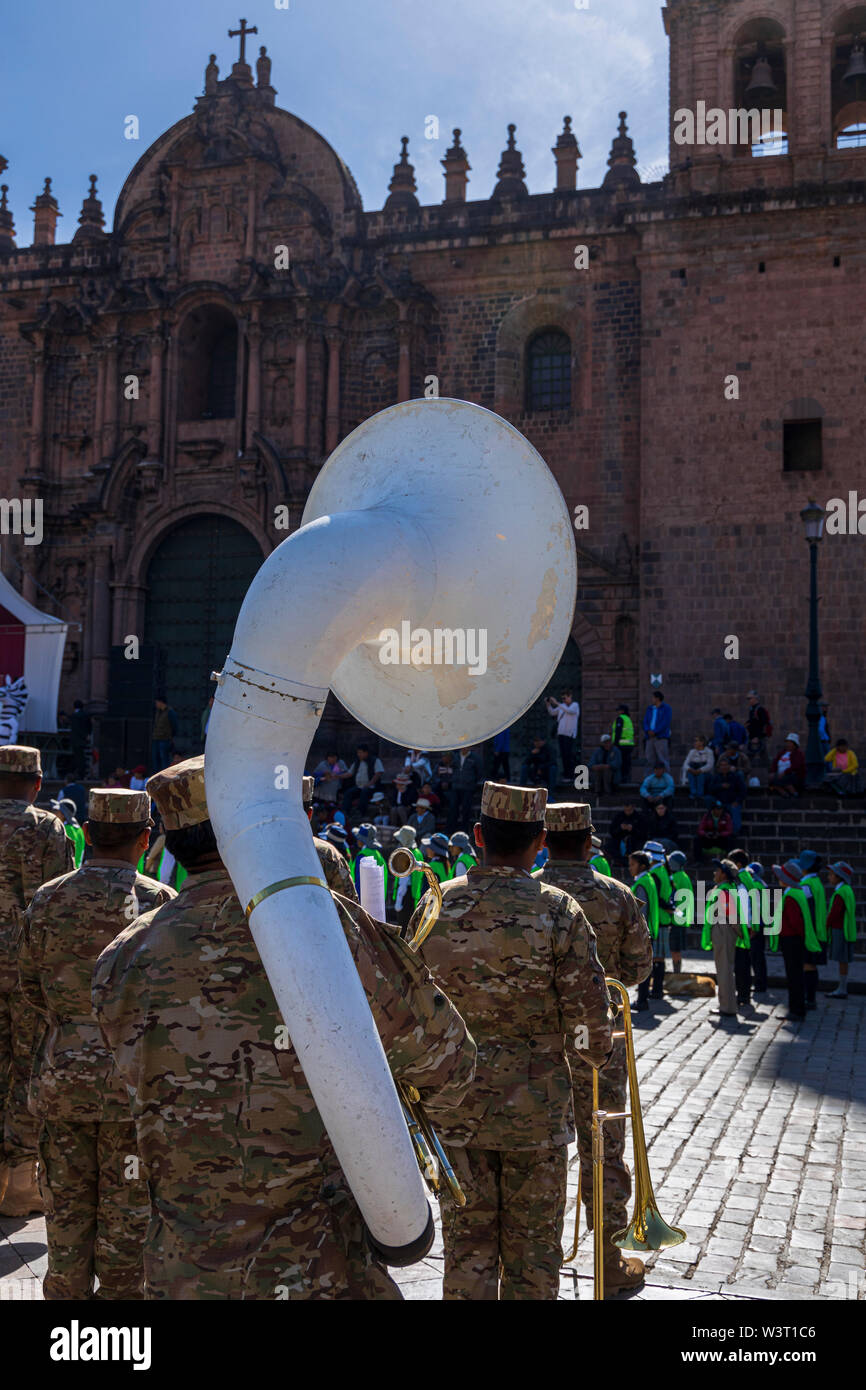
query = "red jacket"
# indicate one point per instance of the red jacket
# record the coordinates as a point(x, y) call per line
point(798, 767)
point(723, 826)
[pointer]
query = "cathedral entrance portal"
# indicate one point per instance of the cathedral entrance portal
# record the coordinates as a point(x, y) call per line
point(196, 582)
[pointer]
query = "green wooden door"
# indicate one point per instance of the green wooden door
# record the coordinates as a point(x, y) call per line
point(196, 583)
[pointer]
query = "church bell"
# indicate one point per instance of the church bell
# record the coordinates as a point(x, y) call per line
point(855, 75)
point(761, 86)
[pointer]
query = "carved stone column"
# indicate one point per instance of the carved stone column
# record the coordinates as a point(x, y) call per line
point(404, 360)
point(37, 413)
point(109, 423)
point(334, 338)
point(299, 416)
point(254, 376)
point(100, 619)
point(99, 405)
point(154, 398)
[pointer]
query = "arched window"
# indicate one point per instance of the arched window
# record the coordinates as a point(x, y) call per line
point(548, 371)
point(848, 79)
point(208, 365)
point(760, 90)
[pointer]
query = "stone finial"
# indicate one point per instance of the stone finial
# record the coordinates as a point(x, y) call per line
point(621, 161)
point(511, 175)
point(91, 222)
point(4, 163)
point(263, 68)
point(456, 166)
point(7, 225)
point(566, 152)
point(211, 77)
point(45, 214)
point(402, 188)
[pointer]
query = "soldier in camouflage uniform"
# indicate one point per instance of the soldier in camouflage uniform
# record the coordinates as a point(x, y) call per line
point(625, 951)
point(518, 958)
point(96, 1203)
point(335, 865)
point(249, 1201)
point(34, 847)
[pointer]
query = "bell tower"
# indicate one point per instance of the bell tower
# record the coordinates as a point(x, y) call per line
point(765, 92)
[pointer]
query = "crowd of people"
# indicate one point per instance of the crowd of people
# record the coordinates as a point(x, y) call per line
point(152, 1037)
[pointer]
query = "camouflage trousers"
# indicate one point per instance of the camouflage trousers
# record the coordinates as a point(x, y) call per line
point(95, 1215)
point(612, 1087)
point(20, 1026)
point(308, 1244)
point(506, 1242)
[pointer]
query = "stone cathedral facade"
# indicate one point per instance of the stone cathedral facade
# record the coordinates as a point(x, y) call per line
point(687, 355)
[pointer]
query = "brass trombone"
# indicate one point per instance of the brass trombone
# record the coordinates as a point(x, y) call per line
point(432, 1158)
point(647, 1229)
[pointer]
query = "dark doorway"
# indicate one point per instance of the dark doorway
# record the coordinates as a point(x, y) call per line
point(196, 583)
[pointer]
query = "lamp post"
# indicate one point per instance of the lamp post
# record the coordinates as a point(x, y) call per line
point(812, 517)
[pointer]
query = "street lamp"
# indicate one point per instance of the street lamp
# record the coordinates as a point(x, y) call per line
point(812, 517)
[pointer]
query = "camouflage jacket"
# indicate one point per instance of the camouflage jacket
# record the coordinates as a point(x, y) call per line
point(69, 922)
point(227, 1127)
point(518, 959)
point(623, 941)
point(34, 847)
point(335, 867)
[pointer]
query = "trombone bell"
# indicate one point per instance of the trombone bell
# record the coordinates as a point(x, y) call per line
point(648, 1231)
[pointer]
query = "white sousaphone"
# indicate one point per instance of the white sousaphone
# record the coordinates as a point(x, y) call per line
point(440, 514)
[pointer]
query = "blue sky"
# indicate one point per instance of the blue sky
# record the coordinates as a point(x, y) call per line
point(362, 72)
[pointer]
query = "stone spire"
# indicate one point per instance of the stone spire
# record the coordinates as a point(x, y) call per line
point(511, 174)
point(621, 161)
point(402, 188)
point(456, 166)
point(91, 223)
point(7, 226)
point(45, 214)
point(566, 152)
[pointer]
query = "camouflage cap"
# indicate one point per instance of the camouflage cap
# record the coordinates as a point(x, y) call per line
point(309, 783)
point(502, 802)
point(113, 806)
point(568, 815)
point(17, 757)
point(179, 793)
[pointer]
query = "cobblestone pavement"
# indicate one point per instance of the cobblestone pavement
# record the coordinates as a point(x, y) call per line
point(757, 1144)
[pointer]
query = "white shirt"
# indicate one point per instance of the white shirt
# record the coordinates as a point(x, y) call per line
point(566, 718)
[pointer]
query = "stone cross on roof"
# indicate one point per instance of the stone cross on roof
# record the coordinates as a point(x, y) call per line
point(242, 32)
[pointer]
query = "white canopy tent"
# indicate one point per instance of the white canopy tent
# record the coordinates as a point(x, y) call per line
point(31, 645)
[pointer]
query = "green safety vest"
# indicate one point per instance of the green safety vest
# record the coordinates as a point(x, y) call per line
point(812, 942)
point(417, 881)
point(846, 893)
point(440, 869)
point(743, 941)
point(465, 858)
point(652, 893)
point(180, 872)
point(627, 738)
point(820, 900)
point(600, 864)
point(368, 853)
point(665, 890)
point(684, 916)
point(76, 835)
